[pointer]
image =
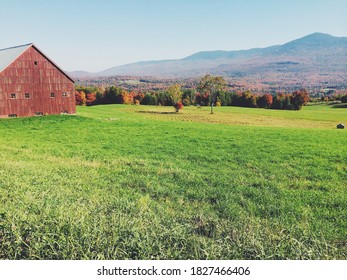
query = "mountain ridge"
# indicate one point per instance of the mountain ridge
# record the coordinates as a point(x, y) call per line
point(318, 51)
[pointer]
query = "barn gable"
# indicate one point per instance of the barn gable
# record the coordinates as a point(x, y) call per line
point(32, 84)
point(9, 55)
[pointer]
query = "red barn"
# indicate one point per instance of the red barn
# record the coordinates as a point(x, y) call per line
point(32, 84)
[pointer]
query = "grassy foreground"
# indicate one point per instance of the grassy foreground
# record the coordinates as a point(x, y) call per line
point(128, 182)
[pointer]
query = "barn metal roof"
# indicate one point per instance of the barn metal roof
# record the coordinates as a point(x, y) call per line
point(8, 55)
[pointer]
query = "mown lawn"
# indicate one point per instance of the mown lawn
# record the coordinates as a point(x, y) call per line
point(128, 182)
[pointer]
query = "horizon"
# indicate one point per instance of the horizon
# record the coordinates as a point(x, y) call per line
point(95, 36)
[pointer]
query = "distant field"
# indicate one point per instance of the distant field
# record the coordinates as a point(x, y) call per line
point(137, 182)
point(315, 116)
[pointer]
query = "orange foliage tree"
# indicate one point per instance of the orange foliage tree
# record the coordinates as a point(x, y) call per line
point(80, 98)
point(265, 100)
point(127, 97)
point(299, 98)
point(91, 99)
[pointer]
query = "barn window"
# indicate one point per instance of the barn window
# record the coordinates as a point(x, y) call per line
point(27, 95)
point(64, 94)
point(38, 113)
point(13, 96)
point(65, 112)
point(12, 115)
point(52, 94)
point(35, 62)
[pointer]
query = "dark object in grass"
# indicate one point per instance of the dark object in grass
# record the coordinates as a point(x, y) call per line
point(340, 126)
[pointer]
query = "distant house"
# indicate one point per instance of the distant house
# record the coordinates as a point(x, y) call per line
point(32, 84)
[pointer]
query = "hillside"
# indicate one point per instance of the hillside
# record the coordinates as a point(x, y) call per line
point(316, 57)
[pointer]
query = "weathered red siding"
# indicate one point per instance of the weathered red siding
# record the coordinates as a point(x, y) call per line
point(39, 79)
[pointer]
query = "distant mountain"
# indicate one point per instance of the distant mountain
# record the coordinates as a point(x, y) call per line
point(315, 54)
point(315, 41)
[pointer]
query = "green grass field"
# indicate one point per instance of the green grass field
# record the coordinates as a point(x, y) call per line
point(129, 182)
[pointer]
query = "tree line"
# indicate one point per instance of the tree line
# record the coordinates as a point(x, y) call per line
point(210, 91)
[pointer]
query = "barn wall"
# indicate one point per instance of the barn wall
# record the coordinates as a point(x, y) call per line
point(39, 80)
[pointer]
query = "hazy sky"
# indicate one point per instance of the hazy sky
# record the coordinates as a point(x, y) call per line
point(95, 35)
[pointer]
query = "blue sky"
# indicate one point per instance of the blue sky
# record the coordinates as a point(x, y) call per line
point(95, 35)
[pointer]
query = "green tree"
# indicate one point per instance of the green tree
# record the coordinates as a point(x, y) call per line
point(211, 85)
point(188, 96)
point(175, 92)
point(112, 95)
point(149, 99)
point(163, 98)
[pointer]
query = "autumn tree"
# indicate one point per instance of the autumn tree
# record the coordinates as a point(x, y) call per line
point(127, 97)
point(201, 99)
point(211, 85)
point(80, 98)
point(299, 98)
point(265, 100)
point(90, 99)
point(178, 106)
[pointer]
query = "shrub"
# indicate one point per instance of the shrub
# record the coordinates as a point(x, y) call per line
point(344, 99)
point(178, 106)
